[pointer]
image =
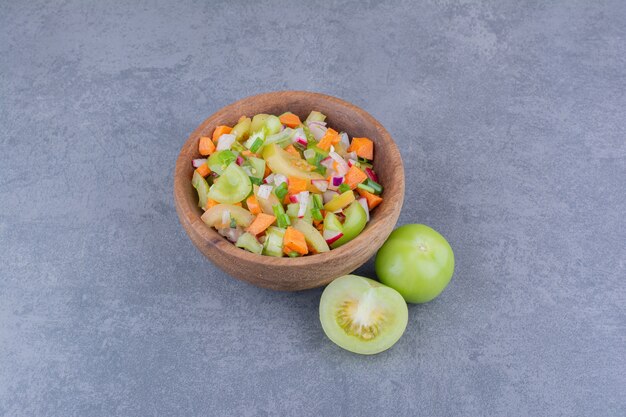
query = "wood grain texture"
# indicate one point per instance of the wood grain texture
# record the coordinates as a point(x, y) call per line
point(306, 272)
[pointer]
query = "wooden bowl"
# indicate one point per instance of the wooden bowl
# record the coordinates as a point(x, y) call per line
point(309, 271)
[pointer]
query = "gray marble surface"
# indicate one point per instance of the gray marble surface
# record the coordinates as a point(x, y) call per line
point(511, 121)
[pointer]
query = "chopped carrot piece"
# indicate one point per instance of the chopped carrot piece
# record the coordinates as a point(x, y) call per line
point(292, 150)
point(372, 199)
point(363, 147)
point(203, 170)
point(286, 199)
point(294, 241)
point(320, 226)
point(210, 203)
point(238, 204)
point(296, 185)
point(253, 204)
point(268, 171)
point(354, 177)
point(219, 131)
point(260, 223)
point(206, 146)
point(290, 119)
point(332, 137)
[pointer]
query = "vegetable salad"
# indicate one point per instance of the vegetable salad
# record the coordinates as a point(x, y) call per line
point(277, 186)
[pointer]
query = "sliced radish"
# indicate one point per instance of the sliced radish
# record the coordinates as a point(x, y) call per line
point(264, 191)
point(321, 185)
point(303, 199)
point(351, 162)
point(371, 174)
point(279, 179)
point(363, 202)
point(302, 141)
point(225, 142)
point(198, 162)
point(269, 179)
point(331, 236)
point(293, 198)
point(239, 160)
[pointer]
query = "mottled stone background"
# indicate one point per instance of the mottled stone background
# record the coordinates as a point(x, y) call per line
point(511, 118)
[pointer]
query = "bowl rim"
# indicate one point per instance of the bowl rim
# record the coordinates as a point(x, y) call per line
point(188, 213)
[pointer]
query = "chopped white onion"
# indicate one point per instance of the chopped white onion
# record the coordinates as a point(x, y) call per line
point(351, 155)
point(264, 191)
point(225, 142)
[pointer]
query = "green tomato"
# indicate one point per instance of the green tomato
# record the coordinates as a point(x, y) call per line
point(416, 261)
point(362, 315)
point(282, 162)
point(220, 160)
point(355, 222)
point(232, 186)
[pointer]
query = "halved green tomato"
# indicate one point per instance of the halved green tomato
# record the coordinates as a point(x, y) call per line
point(355, 222)
point(282, 162)
point(220, 160)
point(232, 186)
point(312, 236)
point(362, 315)
point(215, 216)
point(258, 121)
point(202, 187)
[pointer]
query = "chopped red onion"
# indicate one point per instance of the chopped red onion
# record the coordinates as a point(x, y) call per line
point(293, 198)
point(239, 160)
point(337, 181)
